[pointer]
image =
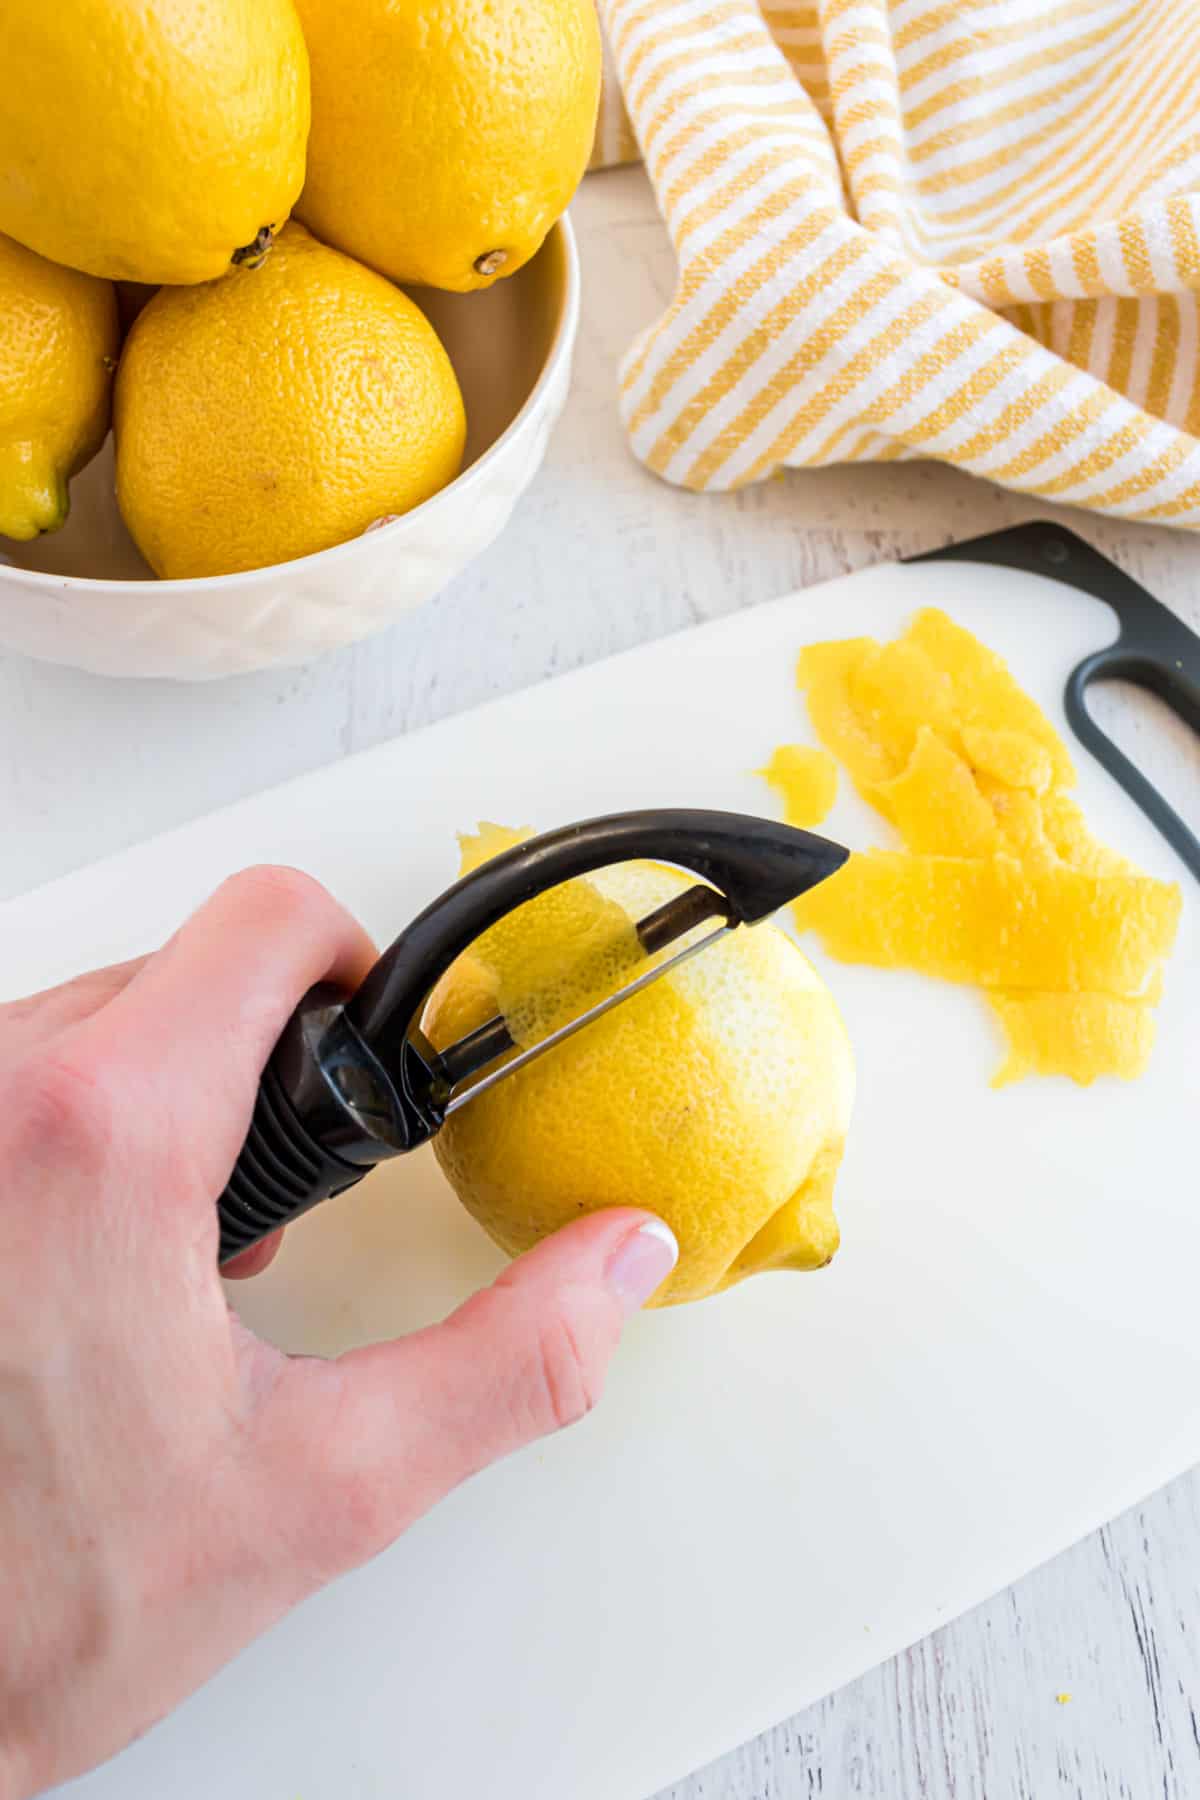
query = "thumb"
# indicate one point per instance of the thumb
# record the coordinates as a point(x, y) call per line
point(370, 1442)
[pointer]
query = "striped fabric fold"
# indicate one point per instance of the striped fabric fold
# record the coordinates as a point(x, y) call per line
point(963, 229)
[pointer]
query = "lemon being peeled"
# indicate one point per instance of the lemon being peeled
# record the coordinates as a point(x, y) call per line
point(719, 1097)
point(279, 411)
point(447, 135)
point(58, 348)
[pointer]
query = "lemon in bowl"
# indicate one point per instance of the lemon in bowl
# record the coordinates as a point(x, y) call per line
point(447, 135)
point(279, 411)
point(291, 455)
point(58, 351)
point(86, 596)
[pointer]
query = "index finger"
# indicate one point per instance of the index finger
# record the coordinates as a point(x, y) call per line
point(203, 1014)
point(36, 1018)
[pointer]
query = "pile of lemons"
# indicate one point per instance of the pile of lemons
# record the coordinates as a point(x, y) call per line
point(235, 189)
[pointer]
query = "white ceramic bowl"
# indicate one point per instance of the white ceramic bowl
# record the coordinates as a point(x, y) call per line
point(84, 596)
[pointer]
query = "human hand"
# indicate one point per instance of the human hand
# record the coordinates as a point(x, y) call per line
point(170, 1485)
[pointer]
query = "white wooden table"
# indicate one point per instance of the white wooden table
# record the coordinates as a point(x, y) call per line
point(601, 556)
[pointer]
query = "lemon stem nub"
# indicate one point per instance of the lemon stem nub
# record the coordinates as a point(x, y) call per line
point(491, 262)
point(251, 255)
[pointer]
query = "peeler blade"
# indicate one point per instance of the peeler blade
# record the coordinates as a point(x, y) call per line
point(598, 1011)
point(780, 876)
point(664, 926)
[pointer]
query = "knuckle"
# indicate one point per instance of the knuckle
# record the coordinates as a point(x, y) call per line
point(364, 1519)
point(63, 1109)
point(278, 893)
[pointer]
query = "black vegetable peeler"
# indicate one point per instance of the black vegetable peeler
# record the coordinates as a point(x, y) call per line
point(353, 1080)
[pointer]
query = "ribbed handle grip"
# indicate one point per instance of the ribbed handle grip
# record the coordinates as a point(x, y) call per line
point(280, 1175)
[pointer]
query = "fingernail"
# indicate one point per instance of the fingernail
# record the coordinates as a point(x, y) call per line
point(641, 1263)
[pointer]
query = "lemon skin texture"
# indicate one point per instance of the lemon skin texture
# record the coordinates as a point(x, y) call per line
point(59, 337)
point(448, 135)
point(279, 411)
point(150, 140)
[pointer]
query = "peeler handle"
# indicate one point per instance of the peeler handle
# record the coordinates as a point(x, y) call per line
point(352, 1080)
point(324, 1115)
point(281, 1173)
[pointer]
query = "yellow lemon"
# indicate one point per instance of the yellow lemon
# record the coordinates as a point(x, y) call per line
point(719, 1097)
point(447, 135)
point(58, 350)
point(279, 411)
point(151, 142)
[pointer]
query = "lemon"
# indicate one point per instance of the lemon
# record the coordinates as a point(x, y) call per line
point(719, 1097)
point(447, 135)
point(150, 142)
point(279, 411)
point(58, 349)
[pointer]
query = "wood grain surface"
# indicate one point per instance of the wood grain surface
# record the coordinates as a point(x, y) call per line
point(600, 557)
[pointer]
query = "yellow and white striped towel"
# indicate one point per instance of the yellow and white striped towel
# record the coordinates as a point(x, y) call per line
point(965, 229)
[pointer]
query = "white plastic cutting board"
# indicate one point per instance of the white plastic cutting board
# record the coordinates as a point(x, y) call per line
point(785, 1485)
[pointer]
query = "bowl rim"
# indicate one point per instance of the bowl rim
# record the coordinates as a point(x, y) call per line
point(560, 350)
